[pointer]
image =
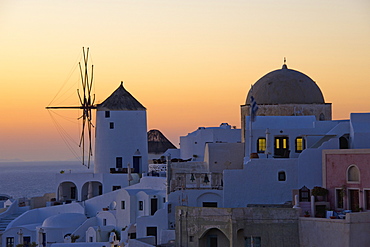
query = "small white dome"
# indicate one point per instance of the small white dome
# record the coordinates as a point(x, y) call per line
point(66, 220)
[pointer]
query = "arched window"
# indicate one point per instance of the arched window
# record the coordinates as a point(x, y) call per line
point(353, 174)
point(281, 176)
point(261, 145)
point(299, 144)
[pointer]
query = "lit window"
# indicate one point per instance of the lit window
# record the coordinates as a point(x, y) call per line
point(261, 145)
point(299, 144)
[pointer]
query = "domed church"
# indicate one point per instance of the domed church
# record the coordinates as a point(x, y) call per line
point(286, 92)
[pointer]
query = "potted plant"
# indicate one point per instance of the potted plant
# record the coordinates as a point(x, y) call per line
point(306, 214)
point(74, 238)
point(319, 193)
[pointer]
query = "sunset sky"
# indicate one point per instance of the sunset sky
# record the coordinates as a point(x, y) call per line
point(190, 62)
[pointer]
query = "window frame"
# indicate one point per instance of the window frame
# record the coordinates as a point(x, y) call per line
point(338, 195)
point(302, 144)
point(261, 145)
point(348, 175)
point(281, 173)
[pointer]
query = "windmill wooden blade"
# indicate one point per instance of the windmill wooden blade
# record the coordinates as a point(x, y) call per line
point(86, 104)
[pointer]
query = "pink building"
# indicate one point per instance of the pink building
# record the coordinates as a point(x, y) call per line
point(346, 174)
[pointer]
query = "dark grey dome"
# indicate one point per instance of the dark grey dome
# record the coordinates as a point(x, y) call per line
point(286, 86)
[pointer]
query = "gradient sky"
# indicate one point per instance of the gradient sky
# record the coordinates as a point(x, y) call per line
point(190, 63)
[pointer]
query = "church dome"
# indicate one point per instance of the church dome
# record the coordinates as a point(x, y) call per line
point(285, 86)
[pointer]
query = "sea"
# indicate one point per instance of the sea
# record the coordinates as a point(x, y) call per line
point(29, 179)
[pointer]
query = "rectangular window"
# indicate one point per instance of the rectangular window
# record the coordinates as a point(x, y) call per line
point(116, 187)
point(123, 205)
point(26, 241)
point(284, 143)
point(367, 199)
point(119, 162)
point(111, 125)
point(107, 114)
point(299, 144)
point(153, 205)
point(141, 205)
point(210, 204)
point(339, 198)
point(169, 208)
point(10, 242)
point(281, 176)
point(253, 241)
point(73, 192)
point(104, 222)
point(261, 145)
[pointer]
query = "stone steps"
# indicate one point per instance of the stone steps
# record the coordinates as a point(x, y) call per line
point(4, 222)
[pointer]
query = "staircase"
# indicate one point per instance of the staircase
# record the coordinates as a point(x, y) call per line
point(4, 222)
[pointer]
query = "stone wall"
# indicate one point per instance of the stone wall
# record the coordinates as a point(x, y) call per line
point(352, 231)
point(275, 227)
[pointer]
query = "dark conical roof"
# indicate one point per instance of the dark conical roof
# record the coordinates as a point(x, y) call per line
point(158, 143)
point(121, 100)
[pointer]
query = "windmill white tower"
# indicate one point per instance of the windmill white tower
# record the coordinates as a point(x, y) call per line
point(120, 142)
point(121, 134)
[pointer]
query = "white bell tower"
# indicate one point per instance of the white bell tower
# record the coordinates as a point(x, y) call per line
point(121, 134)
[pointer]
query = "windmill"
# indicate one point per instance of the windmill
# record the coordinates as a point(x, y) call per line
point(86, 105)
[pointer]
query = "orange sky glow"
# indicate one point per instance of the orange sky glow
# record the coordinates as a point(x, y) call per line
point(190, 63)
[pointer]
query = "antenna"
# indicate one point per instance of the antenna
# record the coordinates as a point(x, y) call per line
point(87, 104)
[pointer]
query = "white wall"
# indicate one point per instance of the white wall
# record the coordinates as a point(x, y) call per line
point(194, 143)
point(128, 136)
point(258, 183)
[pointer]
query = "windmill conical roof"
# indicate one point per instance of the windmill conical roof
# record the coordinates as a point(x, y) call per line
point(158, 143)
point(120, 100)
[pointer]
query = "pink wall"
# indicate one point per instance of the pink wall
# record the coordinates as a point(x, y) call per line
point(335, 165)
